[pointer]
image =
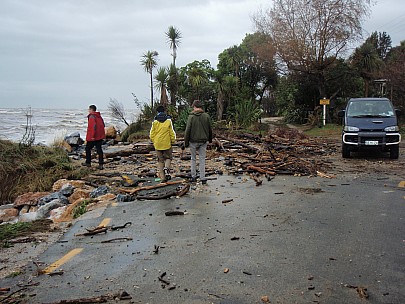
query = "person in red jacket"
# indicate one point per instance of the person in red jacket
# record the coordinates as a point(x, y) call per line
point(94, 137)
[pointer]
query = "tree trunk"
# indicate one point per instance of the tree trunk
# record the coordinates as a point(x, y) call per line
point(151, 89)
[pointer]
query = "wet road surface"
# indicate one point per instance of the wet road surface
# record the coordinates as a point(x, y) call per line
point(293, 239)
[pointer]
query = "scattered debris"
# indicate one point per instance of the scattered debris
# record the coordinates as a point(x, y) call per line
point(235, 238)
point(362, 291)
point(227, 201)
point(175, 212)
point(118, 239)
point(265, 299)
point(156, 250)
point(122, 295)
point(226, 270)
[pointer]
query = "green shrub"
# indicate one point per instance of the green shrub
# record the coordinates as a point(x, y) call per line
point(181, 122)
point(246, 113)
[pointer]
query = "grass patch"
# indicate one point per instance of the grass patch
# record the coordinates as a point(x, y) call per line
point(31, 168)
point(14, 274)
point(329, 130)
point(20, 229)
point(81, 209)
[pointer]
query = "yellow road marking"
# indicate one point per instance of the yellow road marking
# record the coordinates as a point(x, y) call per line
point(62, 261)
point(105, 222)
point(114, 204)
point(401, 184)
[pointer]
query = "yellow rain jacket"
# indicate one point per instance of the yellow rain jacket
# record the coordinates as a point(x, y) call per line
point(162, 133)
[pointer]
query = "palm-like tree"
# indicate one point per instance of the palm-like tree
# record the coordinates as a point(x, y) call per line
point(366, 60)
point(173, 36)
point(173, 84)
point(161, 78)
point(196, 77)
point(149, 61)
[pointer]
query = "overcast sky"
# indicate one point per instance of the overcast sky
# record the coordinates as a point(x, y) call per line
point(72, 53)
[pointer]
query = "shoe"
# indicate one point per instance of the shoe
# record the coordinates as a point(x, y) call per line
point(100, 167)
point(166, 172)
point(86, 164)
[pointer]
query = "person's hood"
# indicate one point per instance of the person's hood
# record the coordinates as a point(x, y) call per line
point(97, 114)
point(197, 112)
point(162, 117)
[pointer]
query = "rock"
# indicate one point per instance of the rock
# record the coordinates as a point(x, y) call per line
point(25, 209)
point(74, 139)
point(79, 194)
point(110, 132)
point(67, 215)
point(99, 191)
point(64, 145)
point(45, 210)
point(28, 217)
point(106, 197)
point(66, 190)
point(53, 196)
point(57, 213)
point(60, 183)
point(9, 213)
point(124, 198)
point(29, 198)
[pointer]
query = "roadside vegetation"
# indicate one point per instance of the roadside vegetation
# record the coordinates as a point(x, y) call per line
point(279, 70)
point(11, 231)
point(32, 168)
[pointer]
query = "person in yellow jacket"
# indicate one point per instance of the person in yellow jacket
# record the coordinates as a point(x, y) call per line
point(163, 137)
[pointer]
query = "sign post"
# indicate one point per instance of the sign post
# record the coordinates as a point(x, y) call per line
point(324, 102)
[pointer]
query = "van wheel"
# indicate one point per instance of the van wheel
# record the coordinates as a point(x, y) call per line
point(345, 151)
point(394, 152)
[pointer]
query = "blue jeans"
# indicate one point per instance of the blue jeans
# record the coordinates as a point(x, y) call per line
point(201, 149)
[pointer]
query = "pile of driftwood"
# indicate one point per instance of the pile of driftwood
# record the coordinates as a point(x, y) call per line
point(283, 151)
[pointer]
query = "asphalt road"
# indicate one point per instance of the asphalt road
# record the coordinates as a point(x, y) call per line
point(293, 239)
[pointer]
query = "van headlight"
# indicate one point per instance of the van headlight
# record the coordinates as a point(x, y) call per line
point(350, 129)
point(392, 129)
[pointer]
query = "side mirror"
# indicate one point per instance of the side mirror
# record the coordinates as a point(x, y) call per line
point(398, 112)
point(341, 113)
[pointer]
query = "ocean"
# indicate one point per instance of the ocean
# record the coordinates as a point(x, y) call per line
point(52, 124)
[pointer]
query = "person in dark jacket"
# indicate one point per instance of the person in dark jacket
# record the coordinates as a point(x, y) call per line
point(95, 135)
point(197, 135)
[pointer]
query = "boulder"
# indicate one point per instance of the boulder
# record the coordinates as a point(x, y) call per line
point(57, 213)
point(25, 209)
point(106, 197)
point(67, 215)
point(45, 210)
point(61, 182)
point(110, 132)
point(8, 213)
point(124, 198)
point(74, 139)
point(53, 196)
point(29, 198)
point(28, 217)
point(79, 194)
point(99, 191)
point(64, 145)
point(66, 190)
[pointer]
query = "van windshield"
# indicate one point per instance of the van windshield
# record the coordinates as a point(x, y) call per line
point(370, 108)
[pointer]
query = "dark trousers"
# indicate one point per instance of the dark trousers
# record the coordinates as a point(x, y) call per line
point(89, 146)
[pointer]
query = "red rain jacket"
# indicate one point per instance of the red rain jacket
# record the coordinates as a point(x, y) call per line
point(95, 127)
